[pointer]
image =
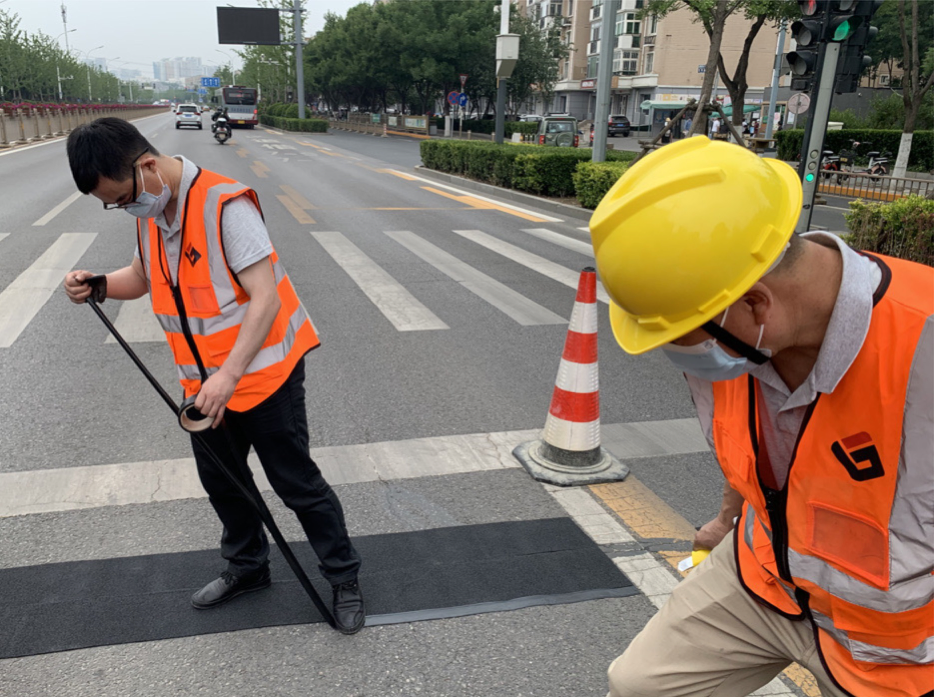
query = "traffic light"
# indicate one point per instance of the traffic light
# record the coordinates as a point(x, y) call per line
point(853, 60)
point(807, 35)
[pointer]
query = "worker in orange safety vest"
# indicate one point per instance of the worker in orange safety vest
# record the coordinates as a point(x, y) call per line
point(811, 366)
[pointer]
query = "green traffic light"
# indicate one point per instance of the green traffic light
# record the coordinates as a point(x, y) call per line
point(843, 30)
point(808, 177)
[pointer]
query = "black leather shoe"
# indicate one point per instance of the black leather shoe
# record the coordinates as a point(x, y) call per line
point(349, 612)
point(227, 587)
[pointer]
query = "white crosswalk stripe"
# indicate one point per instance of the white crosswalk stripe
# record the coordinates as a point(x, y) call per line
point(136, 323)
point(500, 296)
point(25, 296)
point(532, 261)
point(557, 238)
point(4, 234)
point(398, 305)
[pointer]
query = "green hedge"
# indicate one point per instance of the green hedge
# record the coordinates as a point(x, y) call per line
point(538, 170)
point(289, 124)
point(903, 228)
point(593, 179)
point(922, 145)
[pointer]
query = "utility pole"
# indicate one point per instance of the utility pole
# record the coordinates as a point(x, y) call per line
point(299, 65)
point(65, 23)
point(604, 79)
point(507, 55)
point(776, 74)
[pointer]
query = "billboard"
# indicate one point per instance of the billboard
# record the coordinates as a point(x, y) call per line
point(247, 25)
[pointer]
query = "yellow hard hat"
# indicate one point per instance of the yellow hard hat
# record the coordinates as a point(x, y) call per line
point(685, 232)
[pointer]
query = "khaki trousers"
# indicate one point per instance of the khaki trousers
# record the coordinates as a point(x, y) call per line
point(711, 639)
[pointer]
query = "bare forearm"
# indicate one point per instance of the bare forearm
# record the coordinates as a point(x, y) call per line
point(127, 283)
point(731, 505)
point(253, 332)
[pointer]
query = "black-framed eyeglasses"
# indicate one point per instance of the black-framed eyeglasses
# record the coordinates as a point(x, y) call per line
point(120, 206)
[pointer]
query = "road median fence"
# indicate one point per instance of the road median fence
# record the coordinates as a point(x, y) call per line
point(534, 169)
point(296, 124)
point(872, 187)
point(383, 124)
point(26, 123)
point(922, 144)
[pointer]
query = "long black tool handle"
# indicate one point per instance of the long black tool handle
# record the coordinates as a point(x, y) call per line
point(249, 484)
point(132, 354)
point(248, 489)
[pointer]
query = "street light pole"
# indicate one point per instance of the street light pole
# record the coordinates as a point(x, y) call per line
point(233, 71)
point(299, 63)
point(87, 57)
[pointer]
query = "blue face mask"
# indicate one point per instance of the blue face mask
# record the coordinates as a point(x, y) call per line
point(708, 361)
point(149, 205)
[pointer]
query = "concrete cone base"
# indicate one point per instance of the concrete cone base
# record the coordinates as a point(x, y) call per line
point(606, 469)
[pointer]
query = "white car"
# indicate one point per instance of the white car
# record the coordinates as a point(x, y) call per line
point(188, 115)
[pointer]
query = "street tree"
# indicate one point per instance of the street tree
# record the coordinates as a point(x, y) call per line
point(906, 37)
point(712, 15)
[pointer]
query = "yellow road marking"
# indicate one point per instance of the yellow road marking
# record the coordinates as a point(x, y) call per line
point(242, 152)
point(320, 149)
point(650, 517)
point(310, 145)
point(477, 204)
point(302, 202)
point(410, 135)
point(296, 211)
point(402, 175)
point(259, 169)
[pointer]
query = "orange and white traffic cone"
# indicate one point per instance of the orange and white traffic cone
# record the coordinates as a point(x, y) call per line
point(569, 451)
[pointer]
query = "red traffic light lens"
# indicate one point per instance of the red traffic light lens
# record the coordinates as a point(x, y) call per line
point(808, 7)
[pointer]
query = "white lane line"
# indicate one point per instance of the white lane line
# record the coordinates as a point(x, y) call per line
point(136, 322)
point(58, 209)
point(96, 486)
point(531, 261)
point(397, 304)
point(536, 214)
point(26, 295)
point(557, 238)
point(584, 229)
point(4, 234)
point(500, 296)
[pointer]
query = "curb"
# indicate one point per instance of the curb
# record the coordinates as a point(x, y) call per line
point(507, 194)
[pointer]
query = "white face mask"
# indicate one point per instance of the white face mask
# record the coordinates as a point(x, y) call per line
point(149, 205)
point(708, 361)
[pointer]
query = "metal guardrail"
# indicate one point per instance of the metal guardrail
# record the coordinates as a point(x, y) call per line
point(28, 125)
point(871, 187)
point(382, 124)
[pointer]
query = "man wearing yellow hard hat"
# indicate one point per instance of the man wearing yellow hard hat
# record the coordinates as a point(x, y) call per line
point(812, 369)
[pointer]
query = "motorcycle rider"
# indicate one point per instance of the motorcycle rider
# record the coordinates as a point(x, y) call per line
point(221, 113)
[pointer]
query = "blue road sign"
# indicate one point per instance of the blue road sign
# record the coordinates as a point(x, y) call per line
point(202, 91)
point(462, 100)
point(452, 98)
point(210, 82)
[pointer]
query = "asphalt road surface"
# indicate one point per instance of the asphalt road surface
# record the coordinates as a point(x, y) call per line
point(442, 315)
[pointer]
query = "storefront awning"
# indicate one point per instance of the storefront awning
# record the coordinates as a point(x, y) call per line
point(747, 109)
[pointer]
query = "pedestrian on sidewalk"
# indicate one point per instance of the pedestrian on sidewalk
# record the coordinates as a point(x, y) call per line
point(811, 366)
point(230, 312)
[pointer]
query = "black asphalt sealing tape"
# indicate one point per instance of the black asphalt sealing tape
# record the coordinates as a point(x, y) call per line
point(429, 574)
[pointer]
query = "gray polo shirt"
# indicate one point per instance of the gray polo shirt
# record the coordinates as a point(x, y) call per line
point(246, 240)
point(781, 411)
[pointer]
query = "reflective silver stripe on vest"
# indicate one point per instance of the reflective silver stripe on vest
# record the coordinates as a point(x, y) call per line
point(277, 353)
point(220, 277)
point(191, 372)
point(907, 595)
point(911, 540)
point(861, 651)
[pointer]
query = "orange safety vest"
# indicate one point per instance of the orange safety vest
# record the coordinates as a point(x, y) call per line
point(202, 314)
point(837, 545)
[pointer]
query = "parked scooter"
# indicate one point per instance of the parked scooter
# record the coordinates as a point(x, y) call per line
point(878, 162)
point(830, 165)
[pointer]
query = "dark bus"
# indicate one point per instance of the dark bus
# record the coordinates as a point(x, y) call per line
point(241, 104)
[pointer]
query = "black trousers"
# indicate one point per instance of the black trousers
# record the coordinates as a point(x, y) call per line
point(277, 429)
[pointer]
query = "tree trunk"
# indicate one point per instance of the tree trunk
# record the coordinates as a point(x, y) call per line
point(715, 32)
point(737, 85)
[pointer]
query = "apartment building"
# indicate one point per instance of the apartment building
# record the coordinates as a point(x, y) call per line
point(658, 62)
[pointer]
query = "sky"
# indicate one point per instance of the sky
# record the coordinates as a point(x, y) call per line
point(134, 33)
